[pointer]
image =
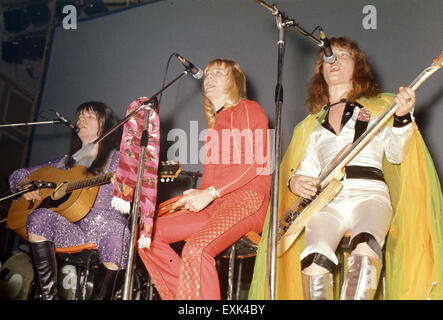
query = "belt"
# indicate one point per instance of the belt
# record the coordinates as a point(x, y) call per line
point(359, 172)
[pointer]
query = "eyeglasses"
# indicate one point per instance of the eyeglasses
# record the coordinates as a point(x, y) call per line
point(216, 73)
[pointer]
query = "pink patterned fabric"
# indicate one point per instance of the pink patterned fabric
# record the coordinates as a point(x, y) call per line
point(364, 115)
point(126, 175)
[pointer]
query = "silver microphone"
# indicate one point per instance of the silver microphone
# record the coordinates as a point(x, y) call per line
point(197, 73)
point(67, 122)
point(329, 56)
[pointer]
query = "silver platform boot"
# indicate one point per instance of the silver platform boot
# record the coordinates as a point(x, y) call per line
point(361, 279)
point(317, 287)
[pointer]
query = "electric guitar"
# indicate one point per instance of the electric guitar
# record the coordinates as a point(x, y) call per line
point(71, 193)
point(295, 219)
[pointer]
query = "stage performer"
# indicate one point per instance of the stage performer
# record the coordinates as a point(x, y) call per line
point(104, 226)
point(390, 188)
point(231, 200)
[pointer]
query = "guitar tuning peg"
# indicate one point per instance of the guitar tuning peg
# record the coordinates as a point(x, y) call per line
point(172, 179)
point(162, 180)
point(167, 179)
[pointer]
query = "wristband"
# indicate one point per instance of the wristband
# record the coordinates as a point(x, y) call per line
point(213, 192)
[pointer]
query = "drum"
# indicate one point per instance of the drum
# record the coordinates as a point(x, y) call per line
point(16, 277)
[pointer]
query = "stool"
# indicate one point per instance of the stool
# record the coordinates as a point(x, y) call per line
point(245, 247)
point(344, 248)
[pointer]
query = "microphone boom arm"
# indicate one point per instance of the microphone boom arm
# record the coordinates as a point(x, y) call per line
point(148, 103)
point(20, 124)
point(288, 22)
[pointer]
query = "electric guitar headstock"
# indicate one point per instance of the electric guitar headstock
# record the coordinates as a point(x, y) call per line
point(429, 71)
point(439, 61)
point(169, 170)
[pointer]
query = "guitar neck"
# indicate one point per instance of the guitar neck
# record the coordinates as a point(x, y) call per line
point(361, 142)
point(168, 170)
point(87, 182)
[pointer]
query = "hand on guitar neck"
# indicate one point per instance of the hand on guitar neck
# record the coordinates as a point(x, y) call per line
point(303, 186)
point(405, 100)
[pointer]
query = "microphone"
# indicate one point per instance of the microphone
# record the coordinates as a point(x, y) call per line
point(197, 73)
point(67, 122)
point(329, 56)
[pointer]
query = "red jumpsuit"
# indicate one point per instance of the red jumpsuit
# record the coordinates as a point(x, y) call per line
point(237, 164)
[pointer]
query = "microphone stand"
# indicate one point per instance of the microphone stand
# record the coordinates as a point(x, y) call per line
point(127, 286)
point(86, 149)
point(277, 153)
point(7, 125)
point(282, 22)
point(34, 184)
point(152, 103)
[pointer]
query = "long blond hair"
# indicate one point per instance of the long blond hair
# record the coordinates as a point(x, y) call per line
point(363, 82)
point(236, 90)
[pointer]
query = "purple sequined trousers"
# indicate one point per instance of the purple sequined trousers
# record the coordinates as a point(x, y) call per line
point(103, 225)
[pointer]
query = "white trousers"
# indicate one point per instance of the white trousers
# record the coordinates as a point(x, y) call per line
point(361, 206)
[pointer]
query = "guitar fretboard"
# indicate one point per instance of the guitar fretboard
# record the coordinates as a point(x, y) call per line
point(93, 181)
point(358, 144)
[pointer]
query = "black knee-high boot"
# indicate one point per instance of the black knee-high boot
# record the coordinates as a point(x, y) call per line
point(104, 282)
point(45, 266)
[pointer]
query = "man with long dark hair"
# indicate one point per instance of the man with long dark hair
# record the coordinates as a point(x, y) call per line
point(103, 225)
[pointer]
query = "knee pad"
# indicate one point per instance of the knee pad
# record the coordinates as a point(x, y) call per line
point(369, 240)
point(318, 259)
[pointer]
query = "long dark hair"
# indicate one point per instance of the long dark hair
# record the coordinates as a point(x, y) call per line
point(106, 120)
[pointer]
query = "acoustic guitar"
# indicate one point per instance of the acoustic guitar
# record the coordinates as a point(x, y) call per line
point(295, 219)
point(71, 193)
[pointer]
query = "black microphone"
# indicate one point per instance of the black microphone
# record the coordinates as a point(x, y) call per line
point(67, 122)
point(197, 73)
point(329, 56)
